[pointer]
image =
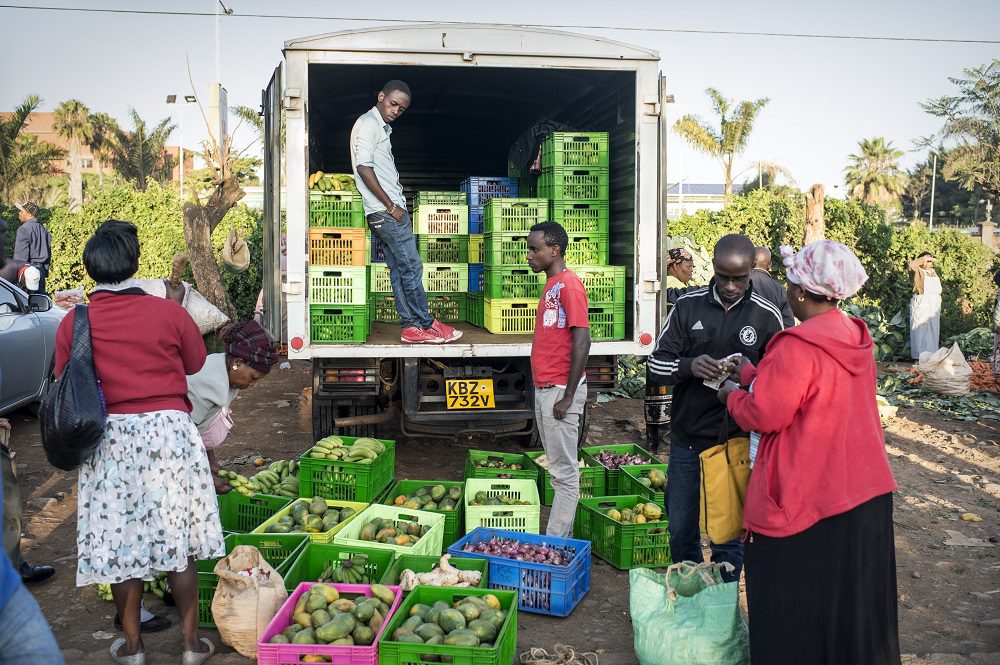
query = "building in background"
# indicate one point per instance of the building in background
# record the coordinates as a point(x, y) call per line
point(696, 196)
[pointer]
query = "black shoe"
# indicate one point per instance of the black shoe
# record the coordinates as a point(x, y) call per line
point(154, 625)
point(31, 574)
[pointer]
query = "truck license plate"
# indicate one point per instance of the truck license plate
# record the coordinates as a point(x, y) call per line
point(470, 394)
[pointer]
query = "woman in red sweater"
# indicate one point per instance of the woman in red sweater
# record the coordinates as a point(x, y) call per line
point(146, 501)
point(820, 557)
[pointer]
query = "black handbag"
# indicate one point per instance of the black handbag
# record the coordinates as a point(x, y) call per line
point(73, 415)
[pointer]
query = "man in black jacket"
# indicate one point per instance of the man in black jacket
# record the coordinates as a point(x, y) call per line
point(768, 286)
point(703, 328)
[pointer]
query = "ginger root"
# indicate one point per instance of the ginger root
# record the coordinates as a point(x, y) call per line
point(443, 575)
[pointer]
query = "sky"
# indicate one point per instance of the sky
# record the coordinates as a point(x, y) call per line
point(825, 94)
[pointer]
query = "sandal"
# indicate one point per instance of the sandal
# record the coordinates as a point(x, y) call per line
point(134, 659)
point(198, 657)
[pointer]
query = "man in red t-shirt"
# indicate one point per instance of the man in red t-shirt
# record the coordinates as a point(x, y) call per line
point(559, 350)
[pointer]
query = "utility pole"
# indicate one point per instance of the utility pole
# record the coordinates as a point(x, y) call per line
point(933, 183)
point(218, 59)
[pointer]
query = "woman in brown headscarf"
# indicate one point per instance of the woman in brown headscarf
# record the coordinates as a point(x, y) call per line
point(680, 269)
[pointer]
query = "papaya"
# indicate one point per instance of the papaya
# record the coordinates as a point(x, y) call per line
point(412, 623)
point(652, 512)
point(279, 639)
point(455, 493)
point(343, 642)
point(484, 630)
point(304, 619)
point(330, 520)
point(423, 491)
point(316, 601)
point(451, 620)
point(299, 510)
point(318, 505)
point(383, 593)
point(498, 618)
point(364, 611)
point(412, 504)
point(363, 635)
point(470, 611)
point(626, 515)
point(291, 630)
point(614, 514)
point(320, 617)
point(305, 636)
point(338, 627)
point(376, 621)
point(431, 506)
point(428, 630)
point(386, 533)
point(368, 532)
point(400, 500)
point(409, 638)
point(315, 658)
point(657, 479)
point(279, 528)
point(462, 638)
point(639, 518)
point(347, 513)
point(402, 540)
point(414, 529)
point(432, 615)
point(328, 593)
point(420, 610)
point(344, 605)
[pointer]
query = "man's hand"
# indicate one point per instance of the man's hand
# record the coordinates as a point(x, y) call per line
point(707, 368)
point(724, 391)
point(561, 408)
point(397, 213)
point(741, 364)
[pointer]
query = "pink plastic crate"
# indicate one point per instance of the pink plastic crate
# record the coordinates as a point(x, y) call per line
point(291, 654)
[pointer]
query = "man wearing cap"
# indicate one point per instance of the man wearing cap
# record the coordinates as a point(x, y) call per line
point(33, 243)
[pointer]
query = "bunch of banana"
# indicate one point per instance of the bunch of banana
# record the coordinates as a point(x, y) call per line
point(280, 478)
point(159, 586)
point(363, 450)
point(351, 571)
point(238, 482)
point(332, 182)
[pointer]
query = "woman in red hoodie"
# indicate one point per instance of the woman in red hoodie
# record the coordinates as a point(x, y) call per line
point(820, 557)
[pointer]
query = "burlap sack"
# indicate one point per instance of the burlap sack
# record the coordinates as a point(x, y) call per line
point(244, 606)
point(945, 371)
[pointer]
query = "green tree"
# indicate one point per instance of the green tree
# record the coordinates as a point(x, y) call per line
point(104, 130)
point(874, 175)
point(953, 204)
point(139, 155)
point(736, 122)
point(72, 122)
point(972, 120)
point(23, 159)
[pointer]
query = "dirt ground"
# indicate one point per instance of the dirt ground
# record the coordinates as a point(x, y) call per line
point(948, 568)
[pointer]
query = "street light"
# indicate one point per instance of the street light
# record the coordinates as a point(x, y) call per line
point(930, 225)
point(188, 99)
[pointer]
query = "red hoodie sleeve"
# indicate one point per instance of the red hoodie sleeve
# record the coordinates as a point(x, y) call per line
point(784, 380)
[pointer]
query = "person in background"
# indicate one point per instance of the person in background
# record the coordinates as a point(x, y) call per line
point(33, 244)
point(12, 513)
point(680, 271)
point(22, 275)
point(146, 501)
point(560, 347)
point(385, 209)
point(925, 306)
point(820, 554)
point(996, 326)
point(769, 287)
point(702, 329)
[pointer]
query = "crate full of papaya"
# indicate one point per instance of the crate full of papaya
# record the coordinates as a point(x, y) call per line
point(626, 531)
point(320, 518)
point(443, 497)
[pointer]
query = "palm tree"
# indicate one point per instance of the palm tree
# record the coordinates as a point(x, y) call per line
point(139, 156)
point(874, 175)
point(104, 127)
point(735, 125)
point(72, 122)
point(23, 159)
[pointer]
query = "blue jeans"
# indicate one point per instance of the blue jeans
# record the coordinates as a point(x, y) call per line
point(405, 268)
point(683, 499)
point(25, 637)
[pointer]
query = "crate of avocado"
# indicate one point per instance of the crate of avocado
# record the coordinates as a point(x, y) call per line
point(320, 518)
point(489, 464)
point(592, 477)
point(329, 623)
point(347, 468)
point(436, 496)
point(626, 531)
point(326, 562)
point(400, 530)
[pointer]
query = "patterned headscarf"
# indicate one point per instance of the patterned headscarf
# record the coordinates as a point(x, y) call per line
point(250, 343)
point(678, 254)
point(825, 268)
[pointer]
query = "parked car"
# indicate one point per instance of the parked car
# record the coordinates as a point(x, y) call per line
point(28, 326)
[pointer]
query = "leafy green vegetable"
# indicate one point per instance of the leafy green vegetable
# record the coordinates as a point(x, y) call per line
point(900, 392)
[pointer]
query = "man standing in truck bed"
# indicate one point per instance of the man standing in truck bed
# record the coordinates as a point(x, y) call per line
point(385, 209)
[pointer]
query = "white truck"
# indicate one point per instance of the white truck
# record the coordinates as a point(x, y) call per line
point(476, 88)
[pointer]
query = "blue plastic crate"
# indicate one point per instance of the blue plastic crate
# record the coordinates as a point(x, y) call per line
point(477, 219)
point(477, 272)
point(377, 254)
point(483, 188)
point(541, 588)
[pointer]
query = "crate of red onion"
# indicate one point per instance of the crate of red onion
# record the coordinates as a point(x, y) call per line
point(550, 575)
point(613, 458)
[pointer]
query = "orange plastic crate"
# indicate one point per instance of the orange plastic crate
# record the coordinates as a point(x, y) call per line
point(337, 247)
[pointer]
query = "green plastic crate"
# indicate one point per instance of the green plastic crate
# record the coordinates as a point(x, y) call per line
point(334, 324)
point(526, 472)
point(607, 322)
point(440, 198)
point(514, 215)
point(446, 307)
point(587, 149)
point(443, 249)
point(476, 248)
point(453, 524)
point(628, 482)
point(623, 545)
point(574, 184)
point(511, 249)
point(336, 209)
point(401, 653)
point(279, 550)
point(430, 543)
point(605, 285)
point(324, 536)
point(526, 519)
point(315, 558)
point(425, 564)
point(475, 309)
point(510, 316)
point(578, 217)
point(613, 488)
point(593, 479)
point(347, 481)
point(446, 277)
point(243, 514)
point(338, 285)
point(513, 282)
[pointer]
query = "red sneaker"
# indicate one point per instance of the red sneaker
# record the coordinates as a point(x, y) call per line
point(447, 333)
point(414, 335)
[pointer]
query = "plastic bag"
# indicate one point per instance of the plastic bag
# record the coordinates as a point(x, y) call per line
point(207, 316)
point(73, 415)
point(249, 594)
point(687, 616)
point(235, 253)
point(945, 371)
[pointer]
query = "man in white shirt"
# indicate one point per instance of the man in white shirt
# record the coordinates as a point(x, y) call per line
point(385, 209)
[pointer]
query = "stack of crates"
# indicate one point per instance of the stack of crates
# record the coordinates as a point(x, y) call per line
point(480, 191)
point(575, 178)
point(338, 270)
point(511, 289)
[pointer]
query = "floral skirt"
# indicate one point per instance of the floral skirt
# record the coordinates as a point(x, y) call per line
point(146, 500)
